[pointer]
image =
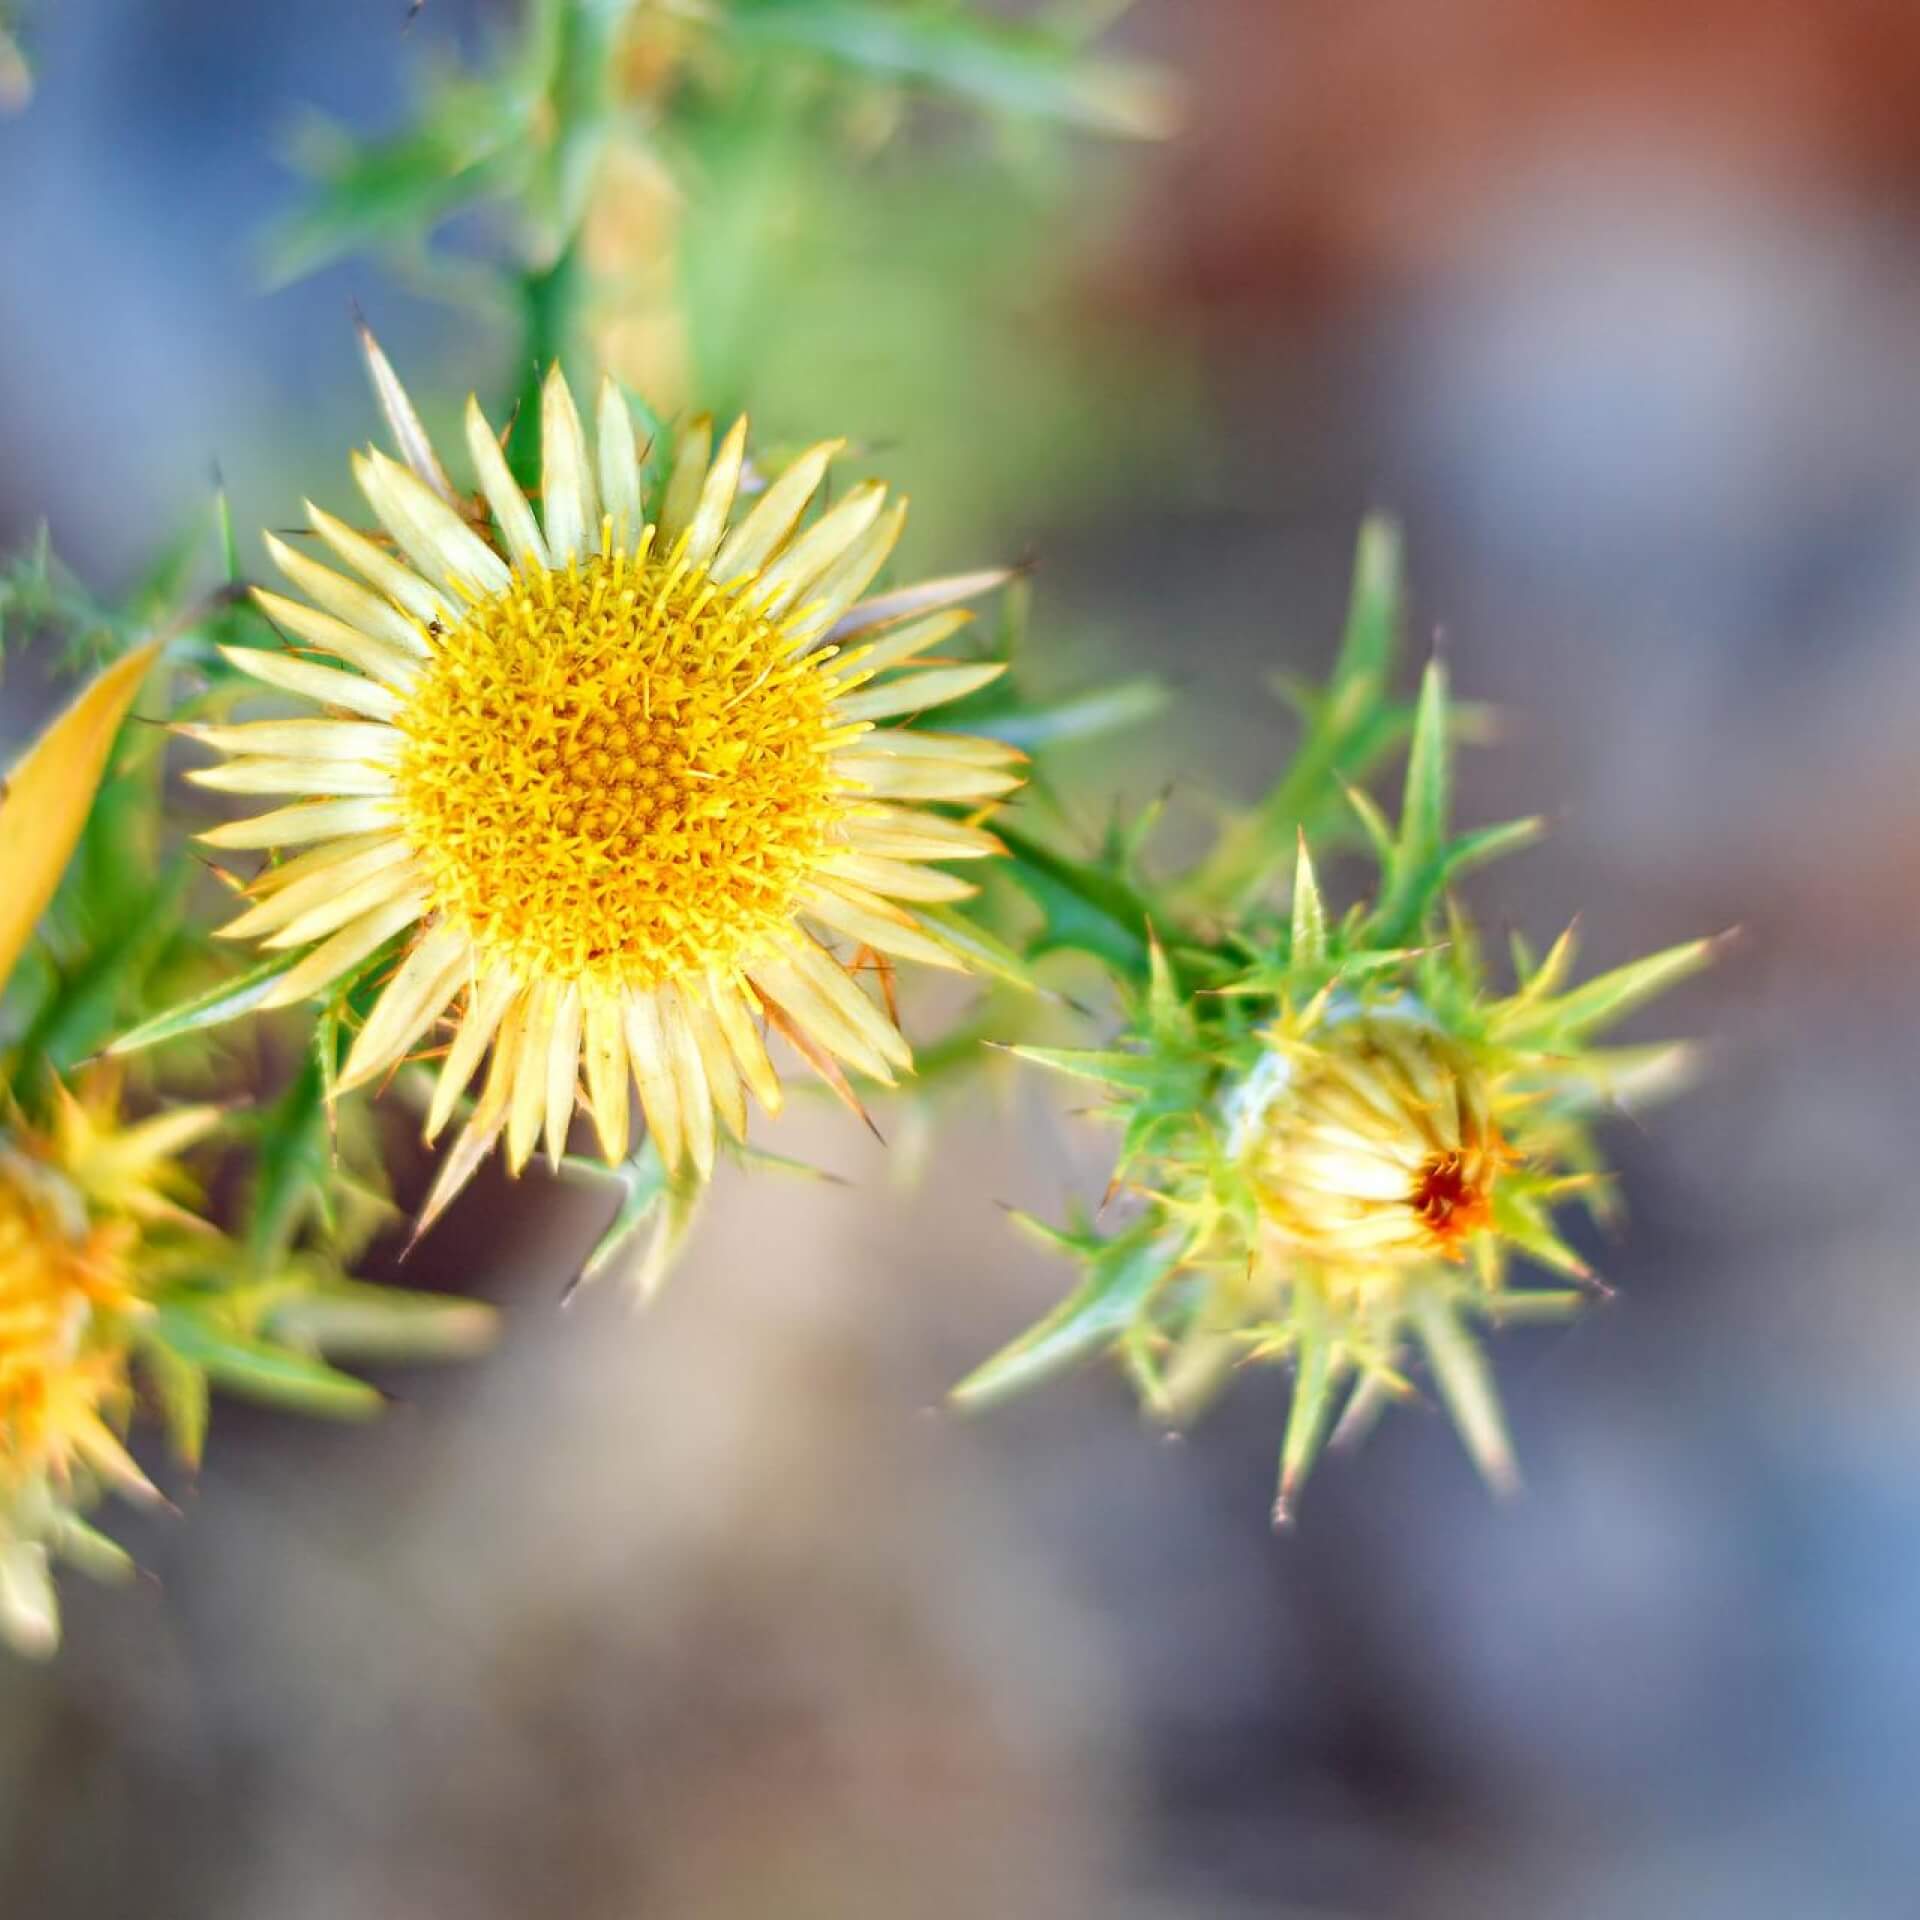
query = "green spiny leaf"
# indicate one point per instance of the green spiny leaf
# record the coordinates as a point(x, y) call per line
point(292, 1164)
point(1317, 1373)
point(1588, 1009)
point(1541, 981)
point(1166, 1007)
point(1526, 1222)
point(1079, 717)
point(256, 1368)
point(1425, 888)
point(87, 1550)
point(1121, 1275)
point(81, 1010)
point(352, 1320)
point(1460, 1372)
point(985, 952)
point(1375, 611)
point(230, 1000)
point(1084, 908)
point(180, 1388)
point(1121, 1072)
point(1374, 823)
point(1529, 1306)
point(1349, 728)
point(1015, 68)
point(1309, 944)
point(469, 143)
point(669, 1203)
point(1406, 888)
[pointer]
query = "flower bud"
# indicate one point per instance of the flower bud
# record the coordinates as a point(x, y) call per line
point(1376, 1148)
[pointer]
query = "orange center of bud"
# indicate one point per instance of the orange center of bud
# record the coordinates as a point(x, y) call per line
point(1454, 1196)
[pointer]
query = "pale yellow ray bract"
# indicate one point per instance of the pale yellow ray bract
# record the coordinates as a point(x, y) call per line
point(44, 806)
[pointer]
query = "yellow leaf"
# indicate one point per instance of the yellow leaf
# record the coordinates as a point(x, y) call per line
point(46, 797)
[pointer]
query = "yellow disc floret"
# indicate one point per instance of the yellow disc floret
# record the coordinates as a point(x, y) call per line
point(618, 774)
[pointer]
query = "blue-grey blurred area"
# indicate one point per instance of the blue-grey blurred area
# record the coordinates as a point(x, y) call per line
point(140, 352)
point(710, 1613)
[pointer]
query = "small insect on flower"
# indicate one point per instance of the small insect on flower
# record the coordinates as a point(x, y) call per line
point(622, 789)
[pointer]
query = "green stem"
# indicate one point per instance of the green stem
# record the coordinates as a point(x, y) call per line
point(576, 42)
point(549, 318)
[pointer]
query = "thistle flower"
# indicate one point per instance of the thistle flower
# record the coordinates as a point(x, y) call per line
point(81, 1206)
point(110, 1279)
point(77, 1205)
point(1336, 1134)
point(614, 786)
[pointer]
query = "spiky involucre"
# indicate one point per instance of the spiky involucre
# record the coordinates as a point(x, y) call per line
point(626, 790)
point(1338, 1134)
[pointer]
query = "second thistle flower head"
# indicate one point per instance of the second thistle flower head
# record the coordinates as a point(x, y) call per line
point(611, 787)
point(1336, 1134)
point(87, 1208)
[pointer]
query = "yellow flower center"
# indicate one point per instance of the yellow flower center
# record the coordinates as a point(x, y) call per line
point(1381, 1149)
point(615, 773)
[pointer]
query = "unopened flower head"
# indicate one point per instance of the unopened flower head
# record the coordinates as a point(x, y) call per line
point(624, 787)
point(1346, 1187)
point(1377, 1147)
point(1338, 1134)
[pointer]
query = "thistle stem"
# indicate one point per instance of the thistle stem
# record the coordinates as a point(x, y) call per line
point(574, 43)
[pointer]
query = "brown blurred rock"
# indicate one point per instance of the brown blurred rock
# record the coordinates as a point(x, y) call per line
point(1336, 148)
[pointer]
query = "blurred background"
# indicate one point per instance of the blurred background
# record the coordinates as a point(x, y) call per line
point(713, 1613)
